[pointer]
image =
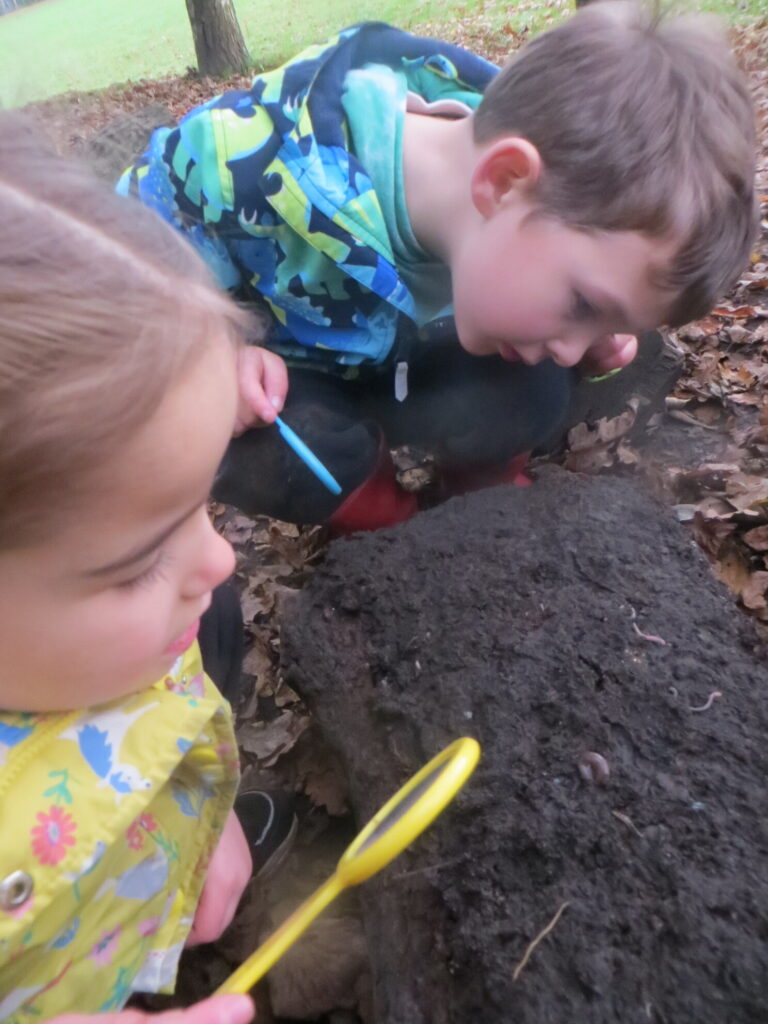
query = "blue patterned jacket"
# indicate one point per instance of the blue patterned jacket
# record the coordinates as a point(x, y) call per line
point(264, 184)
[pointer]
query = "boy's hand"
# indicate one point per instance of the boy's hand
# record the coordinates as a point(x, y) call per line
point(610, 353)
point(231, 1009)
point(262, 380)
point(228, 874)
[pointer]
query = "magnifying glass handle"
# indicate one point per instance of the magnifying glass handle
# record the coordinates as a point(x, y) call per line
point(269, 952)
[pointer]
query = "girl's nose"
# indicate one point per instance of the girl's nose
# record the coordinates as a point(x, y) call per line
point(214, 562)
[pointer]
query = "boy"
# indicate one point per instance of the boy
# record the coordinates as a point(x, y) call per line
point(399, 207)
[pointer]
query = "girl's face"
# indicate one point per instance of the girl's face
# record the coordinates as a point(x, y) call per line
point(108, 601)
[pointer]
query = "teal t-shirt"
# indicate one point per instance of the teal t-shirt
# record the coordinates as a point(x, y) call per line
point(375, 102)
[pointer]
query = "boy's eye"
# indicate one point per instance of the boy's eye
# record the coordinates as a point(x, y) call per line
point(582, 309)
point(153, 572)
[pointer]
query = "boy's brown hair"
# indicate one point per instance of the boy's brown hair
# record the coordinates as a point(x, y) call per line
point(643, 123)
point(102, 306)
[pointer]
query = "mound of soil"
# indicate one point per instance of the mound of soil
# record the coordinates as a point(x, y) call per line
point(574, 616)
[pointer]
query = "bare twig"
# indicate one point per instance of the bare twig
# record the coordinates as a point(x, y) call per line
point(430, 867)
point(692, 421)
point(542, 934)
point(707, 703)
point(626, 820)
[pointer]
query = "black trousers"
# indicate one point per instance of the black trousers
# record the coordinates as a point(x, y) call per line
point(221, 640)
point(467, 411)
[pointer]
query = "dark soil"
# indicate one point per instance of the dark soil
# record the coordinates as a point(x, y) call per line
point(533, 619)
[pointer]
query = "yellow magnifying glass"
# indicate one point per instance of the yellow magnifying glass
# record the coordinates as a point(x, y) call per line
point(387, 834)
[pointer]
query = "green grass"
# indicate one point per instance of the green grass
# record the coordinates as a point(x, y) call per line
point(57, 45)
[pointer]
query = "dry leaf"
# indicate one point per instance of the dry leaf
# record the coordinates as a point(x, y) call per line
point(270, 740)
point(711, 476)
point(732, 568)
point(745, 399)
point(327, 969)
point(285, 695)
point(739, 312)
point(626, 454)
point(757, 538)
point(315, 767)
point(713, 507)
point(259, 661)
point(238, 529)
point(258, 600)
point(745, 491)
point(707, 325)
point(711, 534)
point(737, 334)
point(582, 436)
point(591, 460)
point(753, 591)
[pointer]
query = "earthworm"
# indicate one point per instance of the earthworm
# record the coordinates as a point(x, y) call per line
point(708, 703)
point(593, 767)
point(646, 636)
point(649, 636)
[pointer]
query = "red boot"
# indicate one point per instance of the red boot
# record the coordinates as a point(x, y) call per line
point(475, 478)
point(378, 501)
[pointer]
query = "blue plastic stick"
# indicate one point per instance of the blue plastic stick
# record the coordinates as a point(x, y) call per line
point(307, 456)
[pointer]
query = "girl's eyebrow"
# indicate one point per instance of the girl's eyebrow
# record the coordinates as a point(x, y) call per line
point(146, 549)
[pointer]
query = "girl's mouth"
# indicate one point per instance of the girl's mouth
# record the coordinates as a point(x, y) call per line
point(186, 639)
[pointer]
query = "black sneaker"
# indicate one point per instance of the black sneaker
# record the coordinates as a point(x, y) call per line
point(269, 822)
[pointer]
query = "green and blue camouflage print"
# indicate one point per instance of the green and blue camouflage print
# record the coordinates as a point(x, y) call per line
point(265, 185)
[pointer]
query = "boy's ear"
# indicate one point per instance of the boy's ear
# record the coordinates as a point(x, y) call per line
point(507, 164)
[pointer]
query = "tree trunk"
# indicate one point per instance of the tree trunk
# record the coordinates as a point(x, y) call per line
point(219, 43)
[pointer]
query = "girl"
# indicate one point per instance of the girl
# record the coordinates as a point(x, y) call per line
point(118, 763)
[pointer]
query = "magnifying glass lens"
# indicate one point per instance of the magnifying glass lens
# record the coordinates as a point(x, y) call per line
point(397, 812)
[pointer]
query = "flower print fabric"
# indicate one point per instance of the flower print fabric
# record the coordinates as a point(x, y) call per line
point(114, 812)
point(52, 835)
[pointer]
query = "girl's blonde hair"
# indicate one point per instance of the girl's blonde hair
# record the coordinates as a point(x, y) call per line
point(102, 307)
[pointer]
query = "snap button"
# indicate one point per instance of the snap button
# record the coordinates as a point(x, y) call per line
point(15, 889)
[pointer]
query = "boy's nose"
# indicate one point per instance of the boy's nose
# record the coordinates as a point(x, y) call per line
point(568, 351)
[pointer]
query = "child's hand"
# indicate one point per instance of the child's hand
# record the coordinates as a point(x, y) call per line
point(217, 1010)
point(263, 382)
point(228, 874)
point(610, 353)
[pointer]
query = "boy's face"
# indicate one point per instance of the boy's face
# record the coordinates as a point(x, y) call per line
point(104, 606)
point(526, 286)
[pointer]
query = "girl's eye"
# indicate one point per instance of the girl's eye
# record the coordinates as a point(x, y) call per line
point(581, 309)
point(153, 572)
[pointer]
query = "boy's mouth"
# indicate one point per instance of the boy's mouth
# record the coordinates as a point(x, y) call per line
point(186, 640)
point(511, 355)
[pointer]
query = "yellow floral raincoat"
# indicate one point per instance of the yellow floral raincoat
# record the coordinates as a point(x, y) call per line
point(108, 818)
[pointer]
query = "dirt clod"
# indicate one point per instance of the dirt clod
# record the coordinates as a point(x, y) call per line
point(515, 604)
